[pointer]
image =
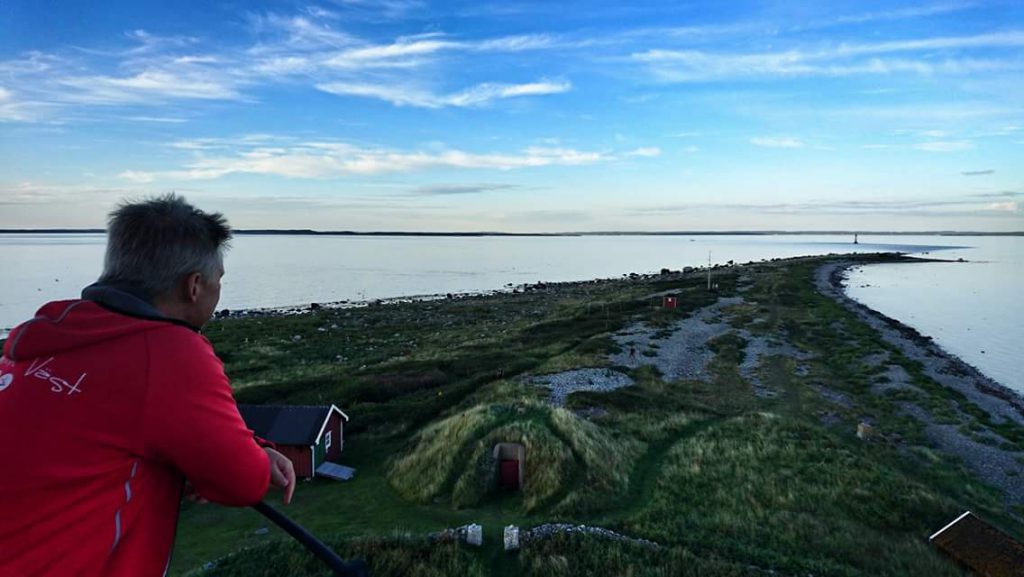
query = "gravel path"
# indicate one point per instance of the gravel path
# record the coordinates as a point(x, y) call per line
point(564, 384)
point(758, 347)
point(992, 464)
point(684, 353)
point(679, 351)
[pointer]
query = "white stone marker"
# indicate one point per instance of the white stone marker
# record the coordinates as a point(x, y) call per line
point(511, 538)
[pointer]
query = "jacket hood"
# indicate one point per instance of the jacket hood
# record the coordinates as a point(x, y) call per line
point(104, 312)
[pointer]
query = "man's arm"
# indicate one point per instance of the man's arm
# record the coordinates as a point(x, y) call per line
point(282, 476)
point(192, 423)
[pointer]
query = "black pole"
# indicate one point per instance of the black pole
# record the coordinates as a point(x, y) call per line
point(340, 567)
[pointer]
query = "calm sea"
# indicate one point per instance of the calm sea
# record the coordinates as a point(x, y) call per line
point(971, 309)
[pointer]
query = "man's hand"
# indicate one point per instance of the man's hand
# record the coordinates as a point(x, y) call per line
point(282, 473)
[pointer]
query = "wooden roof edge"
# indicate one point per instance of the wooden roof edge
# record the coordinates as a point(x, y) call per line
point(340, 412)
point(948, 525)
point(327, 419)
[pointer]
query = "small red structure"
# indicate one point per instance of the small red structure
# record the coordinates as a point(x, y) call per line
point(670, 302)
point(308, 435)
point(511, 458)
point(509, 474)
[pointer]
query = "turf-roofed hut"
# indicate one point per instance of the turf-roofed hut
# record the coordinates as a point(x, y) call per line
point(309, 435)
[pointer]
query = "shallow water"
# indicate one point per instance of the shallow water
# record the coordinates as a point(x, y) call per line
point(271, 271)
point(972, 309)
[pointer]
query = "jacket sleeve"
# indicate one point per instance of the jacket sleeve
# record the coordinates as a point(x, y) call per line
point(192, 423)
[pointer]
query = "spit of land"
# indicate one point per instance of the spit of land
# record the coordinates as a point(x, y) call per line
point(769, 427)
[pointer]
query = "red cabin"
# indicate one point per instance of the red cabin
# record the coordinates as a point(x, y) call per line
point(311, 436)
point(670, 302)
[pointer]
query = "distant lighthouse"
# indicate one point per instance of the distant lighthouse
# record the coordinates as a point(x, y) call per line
point(855, 238)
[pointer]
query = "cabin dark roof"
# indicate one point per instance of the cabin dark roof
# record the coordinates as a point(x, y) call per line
point(982, 548)
point(286, 424)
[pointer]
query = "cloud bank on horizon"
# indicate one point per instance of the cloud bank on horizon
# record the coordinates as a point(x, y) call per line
point(524, 116)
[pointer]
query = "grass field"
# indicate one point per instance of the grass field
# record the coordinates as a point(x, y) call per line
point(725, 481)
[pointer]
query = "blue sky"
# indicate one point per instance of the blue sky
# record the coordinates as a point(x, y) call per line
point(518, 116)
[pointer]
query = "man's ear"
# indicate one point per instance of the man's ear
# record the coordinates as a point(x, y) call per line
point(192, 287)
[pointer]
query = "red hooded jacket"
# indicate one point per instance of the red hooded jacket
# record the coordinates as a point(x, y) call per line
point(102, 417)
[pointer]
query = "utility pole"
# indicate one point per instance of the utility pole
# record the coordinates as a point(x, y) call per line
point(709, 270)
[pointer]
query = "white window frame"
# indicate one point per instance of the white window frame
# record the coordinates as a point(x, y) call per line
point(327, 441)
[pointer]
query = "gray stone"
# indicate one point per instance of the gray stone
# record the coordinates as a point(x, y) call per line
point(511, 538)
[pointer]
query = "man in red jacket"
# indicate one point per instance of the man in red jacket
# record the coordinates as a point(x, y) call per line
point(108, 404)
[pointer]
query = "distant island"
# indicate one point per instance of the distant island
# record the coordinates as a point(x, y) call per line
point(311, 232)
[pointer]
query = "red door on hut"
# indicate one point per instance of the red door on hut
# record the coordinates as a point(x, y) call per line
point(510, 474)
point(510, 458)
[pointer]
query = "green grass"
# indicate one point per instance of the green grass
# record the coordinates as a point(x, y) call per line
point(726, 482)
point(452, 460)
point(773, 492)
point(574, 554)
point(385, 557)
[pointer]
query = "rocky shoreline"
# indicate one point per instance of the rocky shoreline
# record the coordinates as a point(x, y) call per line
point(988, 460)
point(830, 281)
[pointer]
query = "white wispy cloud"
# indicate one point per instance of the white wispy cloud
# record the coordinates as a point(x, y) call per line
point(478, 95)
point(521, 43)
point(379, 9)
point(930, 147)
point(158, 119)
point(1013, 38)
point(999, 194)
point(1008, 206)
point(147, 42)
point(312, 48)
point(899, 207)
point(415, 51)
point(296, 32)
point(8, 106)
point(216, 158)
point(309, 48)
point(944, 146)
point(895, 14)
point(838, 60)
point(336, 159)
point(148, 86)
point(971, 111)
point(645, 151)
point(15, 109)
point(777, 142)
point(40, 193)
point(483, 93)
point(401, 48)
point(475, 188)
point(397, 95)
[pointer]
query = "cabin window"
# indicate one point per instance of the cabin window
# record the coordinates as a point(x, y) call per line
point(327, 441)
